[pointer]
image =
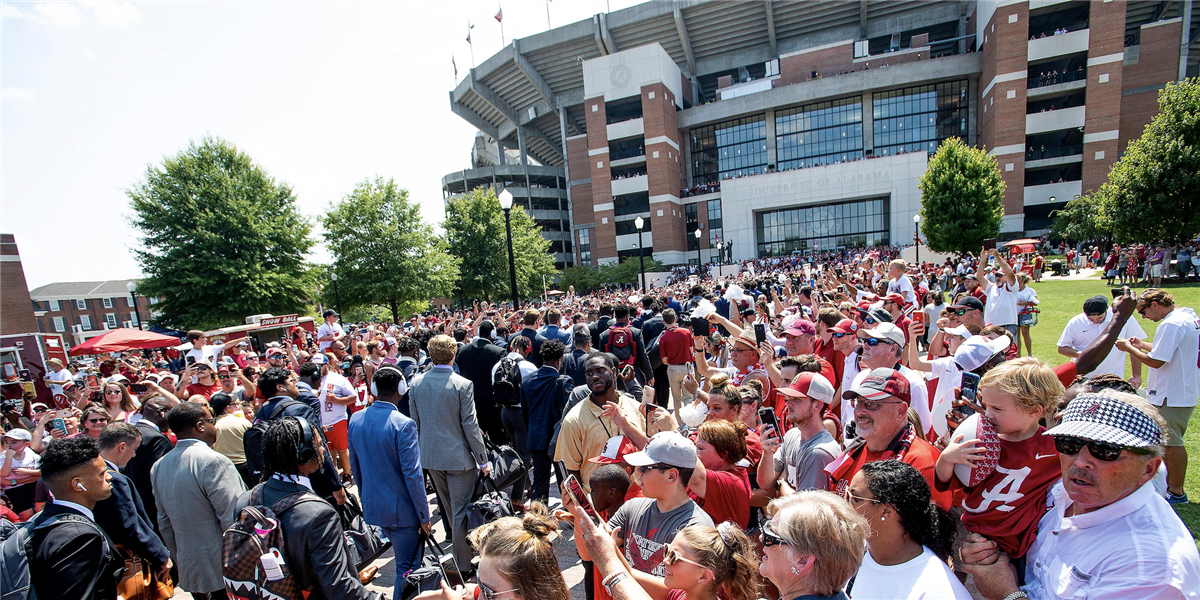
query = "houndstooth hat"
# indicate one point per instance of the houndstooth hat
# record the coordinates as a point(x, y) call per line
point(1102, 418)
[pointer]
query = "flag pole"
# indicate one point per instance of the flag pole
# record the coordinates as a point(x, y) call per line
point(548, 26)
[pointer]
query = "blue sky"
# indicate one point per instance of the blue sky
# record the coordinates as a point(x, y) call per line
point(320, 94)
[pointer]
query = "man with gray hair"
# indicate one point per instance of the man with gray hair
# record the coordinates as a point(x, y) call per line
point(1107, 533)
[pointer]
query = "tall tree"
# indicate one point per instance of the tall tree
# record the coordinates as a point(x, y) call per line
point(1153, 192)
point(475, 228)
point(221, 239)
point(384, 253)
point(1082, 218)
point(962, 198)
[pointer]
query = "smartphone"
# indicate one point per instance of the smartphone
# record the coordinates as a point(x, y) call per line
point(137, 388)
point(700, 327)
point(760, 332)
point(990, 243)
point(93, 381)
point(767, 415)
point(59, 424)
point(970, 392)
point(571, 484)
point(918, 317)
point(25, 375)
point(627, 370)
point(191, 360)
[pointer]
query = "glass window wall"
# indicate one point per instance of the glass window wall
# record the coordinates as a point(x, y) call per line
point(918, 118)
point(855, 224)
point(821, 133)
point(731, 149)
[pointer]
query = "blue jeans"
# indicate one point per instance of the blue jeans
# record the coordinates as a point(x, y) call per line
point(406, 545)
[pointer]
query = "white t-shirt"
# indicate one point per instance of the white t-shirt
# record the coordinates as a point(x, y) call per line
point(328, 329)
point(932, 312)
point(337, 386)
point(1081, 332)
point(527, 368)
point(949, 376)
point(904, 287)
point(1001, 306)
point(925, 576)
point(1176, 341)
point(207, 354)
point(62, 376)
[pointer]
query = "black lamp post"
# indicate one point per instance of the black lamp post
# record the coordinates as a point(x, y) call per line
point(699, 263)
point(506, 202)
point(639, 222)
point(336, 298)
point(137, 315)
point(917, 240)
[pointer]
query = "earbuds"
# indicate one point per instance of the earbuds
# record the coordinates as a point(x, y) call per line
point(79, 486)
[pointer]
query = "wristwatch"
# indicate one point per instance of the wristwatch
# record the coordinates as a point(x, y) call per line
point(1016, 594)
point(613, 580)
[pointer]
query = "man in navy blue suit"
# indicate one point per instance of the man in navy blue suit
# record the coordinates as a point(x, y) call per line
point(122, 515)
point(530, 318)
point(385, 461)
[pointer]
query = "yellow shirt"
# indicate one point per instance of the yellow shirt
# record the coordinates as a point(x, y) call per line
point(230, 430)
point(584, 433)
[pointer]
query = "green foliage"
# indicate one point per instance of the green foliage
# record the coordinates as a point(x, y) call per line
point(221, 239)
point(384, 253)
point(588, 278)
point(1153, 192)
point(962, 198)
point(1081, 219)
point(475, 229)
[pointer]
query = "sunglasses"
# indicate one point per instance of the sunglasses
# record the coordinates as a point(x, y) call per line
point(642, 470)
point(1141, 310)
point(872, 405)
point(770, 538)
point(1101, 451)
point(112, 392)
point(872, 342)
point(869, 321)
point(962, 311)
point(840, 335)
point(670, 557)
point(224, 376)
point(97, 420)
point(489, 594)
point(852, 498)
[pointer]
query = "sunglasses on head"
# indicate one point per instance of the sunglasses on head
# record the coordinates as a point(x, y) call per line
point(1100, 450)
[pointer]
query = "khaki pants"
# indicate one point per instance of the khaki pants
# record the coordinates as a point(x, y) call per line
point(676, 374)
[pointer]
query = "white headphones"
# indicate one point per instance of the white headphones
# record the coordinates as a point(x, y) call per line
point(79, 486)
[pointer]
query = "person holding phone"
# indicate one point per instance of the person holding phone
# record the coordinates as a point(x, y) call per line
point(801, 455)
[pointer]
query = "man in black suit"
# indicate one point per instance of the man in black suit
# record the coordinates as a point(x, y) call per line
point(475, 362)
point(530, 318)
point(71, 558)
point(154, 445)
point(652, 326)
point(641, 362)
point(573, 362)
point(599, 326)
point(122, 515)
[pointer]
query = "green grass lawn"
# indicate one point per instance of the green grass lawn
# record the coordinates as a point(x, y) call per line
point(1061, 300)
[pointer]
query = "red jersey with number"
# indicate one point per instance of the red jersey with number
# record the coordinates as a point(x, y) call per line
point(1006, 507)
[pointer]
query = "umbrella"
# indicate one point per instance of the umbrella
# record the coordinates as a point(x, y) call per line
point(119, 340)
point(1024, 242)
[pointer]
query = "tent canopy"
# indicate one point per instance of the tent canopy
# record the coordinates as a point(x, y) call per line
point(120, 340)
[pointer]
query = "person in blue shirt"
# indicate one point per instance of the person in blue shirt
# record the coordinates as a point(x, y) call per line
point(551, 330)
point(385, 461)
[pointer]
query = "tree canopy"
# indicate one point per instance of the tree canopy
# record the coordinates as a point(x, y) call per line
point(221, 239)
point(475, 229)
point(962, 198)
point(384, 253)
point(586, 278)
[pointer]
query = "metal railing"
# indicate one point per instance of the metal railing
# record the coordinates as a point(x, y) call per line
point(1060, 151)
point(1045, 79)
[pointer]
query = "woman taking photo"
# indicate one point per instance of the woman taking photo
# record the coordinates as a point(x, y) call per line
point(119, 403)
point(909, 539)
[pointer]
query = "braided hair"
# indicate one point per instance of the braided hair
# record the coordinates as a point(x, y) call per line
point(902, 486)
point(281, 447)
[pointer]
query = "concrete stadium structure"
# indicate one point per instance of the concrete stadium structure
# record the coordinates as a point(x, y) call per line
point(781, 126)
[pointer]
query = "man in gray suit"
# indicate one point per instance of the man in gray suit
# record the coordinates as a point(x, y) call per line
point(196, 489)
point(452, 450)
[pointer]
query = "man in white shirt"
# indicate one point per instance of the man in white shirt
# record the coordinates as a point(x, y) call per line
point(883, 347)
point(57, 376)
point(331, 331)
point(1084, 328)
point(898, 282)
point(1107, 534)
point(1001, 306)
point(1174, 381)
point(202, 351)
point(335, 395)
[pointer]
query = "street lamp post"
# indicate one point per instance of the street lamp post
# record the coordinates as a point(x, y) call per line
point(699, 263)
point(720, 253)
point(917, 239)
point(337, 299)
point(137, 315)
point(639, 222)
point(506, 202)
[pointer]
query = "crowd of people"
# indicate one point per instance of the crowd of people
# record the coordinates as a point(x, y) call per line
point(829, 426)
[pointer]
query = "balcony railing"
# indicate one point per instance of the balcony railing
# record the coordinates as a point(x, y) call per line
point(640, 151)
point(1055, 78)
point(1044, 153)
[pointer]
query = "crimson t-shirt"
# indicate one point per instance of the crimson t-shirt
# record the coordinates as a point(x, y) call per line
point(726, 496)
point(675, 345)
point(199, 388)
point(922, 455)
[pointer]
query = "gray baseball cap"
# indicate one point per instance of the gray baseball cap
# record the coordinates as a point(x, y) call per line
point(665, 448)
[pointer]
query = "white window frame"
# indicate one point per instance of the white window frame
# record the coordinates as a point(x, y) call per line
point(111, 320)
point(80, 304)
point(85, 322)
point(108, 303)
point(55, 306)
point(129, 301)
point(60, 324)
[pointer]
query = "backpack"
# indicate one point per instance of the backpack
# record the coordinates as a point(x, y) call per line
point(506, 382)
point(621, 344)
point(254, 533)
point(252, 440)
point(16, 546)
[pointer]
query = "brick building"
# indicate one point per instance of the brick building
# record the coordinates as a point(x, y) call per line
point(777, 127)
point(86, 309)
point(16, 309)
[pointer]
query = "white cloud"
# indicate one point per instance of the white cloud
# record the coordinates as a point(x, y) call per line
point(89, 54)
point(8, 11)
point(119, 15)
point(18, 93)
point(59, 14)
point(106, 13)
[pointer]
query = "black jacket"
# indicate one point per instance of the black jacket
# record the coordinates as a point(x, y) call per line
point(652, 327)
point(536, 339)
point(314, 545)
point(642, 362)
point(69, 561)
point(573, 366)
point(124, 519)
point(328, 481)
point(475, 362)
point(154, 445)
point(597, 328)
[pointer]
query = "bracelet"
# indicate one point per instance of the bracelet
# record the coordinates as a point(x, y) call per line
point(612, 580)
point(1016, 594)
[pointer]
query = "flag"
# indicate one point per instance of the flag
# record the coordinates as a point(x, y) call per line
point(500, 15)
point(455, 65)
point(470, 26)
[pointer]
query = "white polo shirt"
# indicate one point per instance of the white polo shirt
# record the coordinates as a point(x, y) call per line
point(1081, 332)
point(1176, 341)
point(1001, 306)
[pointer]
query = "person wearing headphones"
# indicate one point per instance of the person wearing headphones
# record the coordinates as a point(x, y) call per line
point(314, 543)
point(385, 459)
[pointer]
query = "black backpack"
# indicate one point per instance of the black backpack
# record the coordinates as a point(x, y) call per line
point(506, 382)
point(253, 439)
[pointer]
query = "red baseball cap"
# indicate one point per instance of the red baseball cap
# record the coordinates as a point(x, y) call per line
point(801, 327)
point(614, 451)
point(895, 298)
point(809, 385)
point(846, 326)
point(880, 384)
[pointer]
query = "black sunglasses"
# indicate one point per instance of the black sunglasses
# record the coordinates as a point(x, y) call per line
point(643, 470)
point(840, 335)
point(1100, 450)
point(869, 321)
point(770, 538)
point(962, 311)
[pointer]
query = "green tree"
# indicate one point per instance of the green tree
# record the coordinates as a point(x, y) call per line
point(384, 253)
point(221, 239)
point(962, 198)
point(1081, 219)
point(586, 278)
point(475, 229)
point(1153, 192)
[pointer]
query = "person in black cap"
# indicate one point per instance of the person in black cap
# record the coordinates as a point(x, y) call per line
point(331, 331)
point(1084, 328)
point(968, 309)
